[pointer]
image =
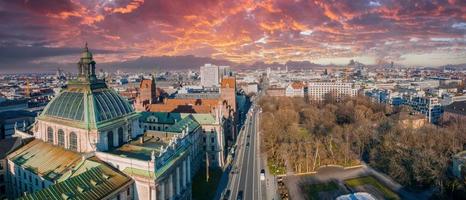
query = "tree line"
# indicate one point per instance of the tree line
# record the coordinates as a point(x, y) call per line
point(302, 136)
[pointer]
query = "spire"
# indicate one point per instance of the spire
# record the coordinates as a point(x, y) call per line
point(86, 66)
point(85, 48)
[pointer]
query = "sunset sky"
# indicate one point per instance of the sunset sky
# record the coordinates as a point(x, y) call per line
point(408, 32)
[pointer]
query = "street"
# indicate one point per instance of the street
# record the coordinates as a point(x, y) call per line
point(246, 177)
point(244, 180)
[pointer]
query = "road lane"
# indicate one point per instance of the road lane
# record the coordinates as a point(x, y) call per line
point(247, 163)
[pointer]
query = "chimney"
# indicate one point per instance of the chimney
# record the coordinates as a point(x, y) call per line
point(141, 140)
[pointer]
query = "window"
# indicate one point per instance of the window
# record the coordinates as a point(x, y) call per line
point(73, 141)
point(50, 134)
point(1, 166)
point(61, 138)
point(212, 148)
point(110, 140)
point(212, 130)
point(1, 178)
point(204, 139)
point(212, 139)
point(128, 192)
point(120, 136)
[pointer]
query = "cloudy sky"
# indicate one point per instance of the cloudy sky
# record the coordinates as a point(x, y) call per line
point(410, 32)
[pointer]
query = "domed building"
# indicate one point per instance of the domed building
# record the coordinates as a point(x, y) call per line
point(87, 116)
point(88, 144)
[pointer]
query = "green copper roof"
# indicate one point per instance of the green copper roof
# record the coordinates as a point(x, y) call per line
point(87, 106)
point(67, 105)
point(171, 118)
point(87, 102)
point(179, 126)
point(96, 183)
point(110, 105)
point(201, 118)
point(162, 117)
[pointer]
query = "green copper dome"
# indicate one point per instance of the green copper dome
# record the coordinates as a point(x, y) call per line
point(100, 106)
point(87, 102)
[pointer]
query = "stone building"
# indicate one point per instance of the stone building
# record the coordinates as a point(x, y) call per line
point(147, 94)
point(88, 144)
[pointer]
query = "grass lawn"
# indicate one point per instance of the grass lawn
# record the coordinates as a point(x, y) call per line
point(312, 191)
point(369, 180)
point(206, 190)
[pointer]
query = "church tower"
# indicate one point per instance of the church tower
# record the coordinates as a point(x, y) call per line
point(147, 94)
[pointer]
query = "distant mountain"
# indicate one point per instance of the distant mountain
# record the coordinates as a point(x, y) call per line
point(163, 63)
point(455, 67)
point(291, 65)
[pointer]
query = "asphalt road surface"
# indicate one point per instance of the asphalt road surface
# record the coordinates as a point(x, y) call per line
point(246, 165)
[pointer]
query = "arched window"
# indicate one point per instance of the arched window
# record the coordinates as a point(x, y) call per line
point(73, 141)
point(50, 134)
point(120, 136)
point(61, 138)
point(110, 140)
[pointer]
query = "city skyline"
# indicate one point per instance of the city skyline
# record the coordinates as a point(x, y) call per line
point(428, 33)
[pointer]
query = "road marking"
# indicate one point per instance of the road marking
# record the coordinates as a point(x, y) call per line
point(247, 161)
point(257, 140)
point(242, 159)
point(254, 160)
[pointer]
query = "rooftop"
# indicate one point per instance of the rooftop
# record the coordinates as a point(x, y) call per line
point(171, 118)
point(458, 107)
point(45, 159)
point(180, 108)
point(96, 182)
point(142, 151)
point(8, 145)
point(187, 122)
point(15, 114)
point(228, 82)
point(86, 102)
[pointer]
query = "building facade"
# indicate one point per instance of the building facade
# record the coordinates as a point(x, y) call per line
point(147, 94)
point(209, 75)
point(318, 90)
point(88, 144)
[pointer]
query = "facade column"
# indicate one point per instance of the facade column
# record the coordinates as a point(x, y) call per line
point(115, 137)
point(154, 193)
point(170, 187)
point(162, 190)
point(189, 169)
point(184, 174)
point(178, 189)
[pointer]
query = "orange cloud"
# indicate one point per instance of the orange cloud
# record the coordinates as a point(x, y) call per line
point(133, 5)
